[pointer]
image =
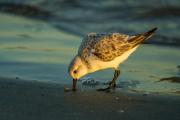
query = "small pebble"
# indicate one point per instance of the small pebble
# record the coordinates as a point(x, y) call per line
point(67, 89)
point(117, 98)
point(121, 111)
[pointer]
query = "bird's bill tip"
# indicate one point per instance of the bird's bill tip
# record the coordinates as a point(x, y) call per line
point(74, 84)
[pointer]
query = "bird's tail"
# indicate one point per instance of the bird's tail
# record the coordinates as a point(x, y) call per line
point(137, 39)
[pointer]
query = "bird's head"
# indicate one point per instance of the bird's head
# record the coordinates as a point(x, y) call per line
point(77, 68)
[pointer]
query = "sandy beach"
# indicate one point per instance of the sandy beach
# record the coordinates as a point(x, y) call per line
point(39, 38)
point(32, 100)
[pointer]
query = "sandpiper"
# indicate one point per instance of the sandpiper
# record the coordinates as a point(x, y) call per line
point(102, 51)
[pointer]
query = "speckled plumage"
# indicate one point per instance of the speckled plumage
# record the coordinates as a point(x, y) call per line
point(102, 51)
point(105, 47)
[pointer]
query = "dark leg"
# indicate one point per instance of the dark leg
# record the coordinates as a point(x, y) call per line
point(116, 75)
point(112, 84)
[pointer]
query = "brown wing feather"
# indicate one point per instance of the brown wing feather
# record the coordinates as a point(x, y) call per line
point(111, 46)
point(136, 40)
point(103, 46)
point(107, 47)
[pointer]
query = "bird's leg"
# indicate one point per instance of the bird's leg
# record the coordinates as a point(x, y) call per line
point(112, 84)
point(116, 75)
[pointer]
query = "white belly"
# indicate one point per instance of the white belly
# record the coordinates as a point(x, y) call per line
point(99, 65)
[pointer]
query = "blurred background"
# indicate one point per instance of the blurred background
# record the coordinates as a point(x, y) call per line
point(79, 17)
point(38, 38)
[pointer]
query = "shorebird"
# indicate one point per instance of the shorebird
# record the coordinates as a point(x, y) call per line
point(102, 51)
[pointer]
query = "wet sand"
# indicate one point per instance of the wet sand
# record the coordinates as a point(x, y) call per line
point(32, 100)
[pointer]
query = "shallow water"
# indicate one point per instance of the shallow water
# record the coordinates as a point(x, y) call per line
point(34, 50)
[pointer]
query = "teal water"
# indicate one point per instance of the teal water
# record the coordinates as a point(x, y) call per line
point(34, 50)
point(80, 17)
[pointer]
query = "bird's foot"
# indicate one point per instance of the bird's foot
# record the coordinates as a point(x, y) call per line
point(112, 84)
point(110, 88)
point(104, 89)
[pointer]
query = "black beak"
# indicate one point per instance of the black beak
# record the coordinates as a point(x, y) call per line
point(74, 84)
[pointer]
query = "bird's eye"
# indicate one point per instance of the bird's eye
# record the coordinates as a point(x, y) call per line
point(75, 71)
